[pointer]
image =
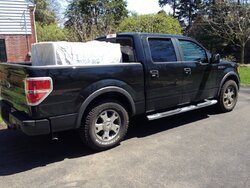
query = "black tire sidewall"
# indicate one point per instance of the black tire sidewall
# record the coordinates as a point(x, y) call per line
point(223, 107)
point(92, 140)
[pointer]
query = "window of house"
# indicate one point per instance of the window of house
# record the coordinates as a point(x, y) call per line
point(162, 50)
point(192, 51)
point(3, 57)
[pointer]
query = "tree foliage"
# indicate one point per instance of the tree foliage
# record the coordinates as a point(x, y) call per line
point(185, 10)
point(226, 23)
point(231, 22)
point(91, 18)
point(51, 32)
point(221, 24)
point(44, 13)
point(172, 3)
point(159, 23)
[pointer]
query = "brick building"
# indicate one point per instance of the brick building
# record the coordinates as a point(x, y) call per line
point(17, 30)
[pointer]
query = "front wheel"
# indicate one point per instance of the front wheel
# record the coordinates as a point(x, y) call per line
point(228, 96)
point(105, 125)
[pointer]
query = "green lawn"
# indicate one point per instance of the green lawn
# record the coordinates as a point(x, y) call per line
point(245, 75)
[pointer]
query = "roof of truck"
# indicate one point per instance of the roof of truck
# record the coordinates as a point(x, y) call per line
point(151, 34)
point(155, 35)
point(145, 34)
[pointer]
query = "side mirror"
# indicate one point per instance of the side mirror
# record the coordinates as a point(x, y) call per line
point(215, 58)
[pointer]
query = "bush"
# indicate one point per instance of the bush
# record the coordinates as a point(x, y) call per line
point(230, 58)
point(158, 23)
point(51, 32)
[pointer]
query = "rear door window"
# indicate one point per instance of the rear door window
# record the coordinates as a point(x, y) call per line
point(162, 50)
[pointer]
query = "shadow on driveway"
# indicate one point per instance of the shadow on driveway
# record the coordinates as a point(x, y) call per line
point(19, 153)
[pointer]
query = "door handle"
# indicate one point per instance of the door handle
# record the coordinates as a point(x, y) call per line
point(188, 71)
point(154, 73)
point(201, 63)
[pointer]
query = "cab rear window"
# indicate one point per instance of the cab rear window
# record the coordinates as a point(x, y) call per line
point(127, 47)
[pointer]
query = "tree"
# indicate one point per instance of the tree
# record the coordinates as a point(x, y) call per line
point(44, 13)
point(201, 31)
point(172, 3)
point(187, 11)
point(90, 18)
point(159, 23)
point(51, 32)
point(231, 22)
point(55, 6)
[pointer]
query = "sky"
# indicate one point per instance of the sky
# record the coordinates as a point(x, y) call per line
point(139, 6)
point(145, 6)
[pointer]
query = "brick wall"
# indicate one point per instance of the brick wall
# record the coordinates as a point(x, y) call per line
point(18, 47)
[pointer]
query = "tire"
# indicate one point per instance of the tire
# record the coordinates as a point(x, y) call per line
point(228, 96)
point(104, 126)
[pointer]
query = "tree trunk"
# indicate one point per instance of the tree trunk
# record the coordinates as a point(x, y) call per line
point(190, 14)
point(174, 8)
point(242, 54)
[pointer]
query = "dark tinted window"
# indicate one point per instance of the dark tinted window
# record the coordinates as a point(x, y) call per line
point(127, 47)
point(192, 51)
point(162, 50)
point(3, 57)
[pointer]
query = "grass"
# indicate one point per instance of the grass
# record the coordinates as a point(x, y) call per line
point(245, 75)
point(1, 119)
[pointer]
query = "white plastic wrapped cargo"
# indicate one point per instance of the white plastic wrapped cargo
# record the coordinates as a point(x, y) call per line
point(75, 53)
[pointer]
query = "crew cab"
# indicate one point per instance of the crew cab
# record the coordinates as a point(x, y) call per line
point(160, 75)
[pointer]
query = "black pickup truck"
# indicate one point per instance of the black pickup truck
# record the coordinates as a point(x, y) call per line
point(160, 75)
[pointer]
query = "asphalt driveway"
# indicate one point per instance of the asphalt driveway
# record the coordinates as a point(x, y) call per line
point(195, 149)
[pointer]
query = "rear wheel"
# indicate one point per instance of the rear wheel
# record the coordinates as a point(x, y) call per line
point(105, 125)
point(228, 96)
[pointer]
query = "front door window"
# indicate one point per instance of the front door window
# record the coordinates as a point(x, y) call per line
point(193, 52)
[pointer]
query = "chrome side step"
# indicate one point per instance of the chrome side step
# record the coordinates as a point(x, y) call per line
point(181, 110)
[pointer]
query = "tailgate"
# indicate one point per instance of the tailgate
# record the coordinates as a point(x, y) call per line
point(12, 86)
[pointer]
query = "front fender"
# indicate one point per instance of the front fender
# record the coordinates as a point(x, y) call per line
point(232, 75)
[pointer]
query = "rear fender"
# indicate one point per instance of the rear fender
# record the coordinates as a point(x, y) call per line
point(99, 92)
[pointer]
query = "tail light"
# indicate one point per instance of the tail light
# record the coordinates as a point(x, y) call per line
point(37, 89)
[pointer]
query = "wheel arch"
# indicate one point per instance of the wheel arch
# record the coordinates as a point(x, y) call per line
point(110, 92)
point(229, 76)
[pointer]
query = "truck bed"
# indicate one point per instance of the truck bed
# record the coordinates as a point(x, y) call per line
point(71, 85)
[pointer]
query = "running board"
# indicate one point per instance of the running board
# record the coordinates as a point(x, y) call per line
point(181, 110)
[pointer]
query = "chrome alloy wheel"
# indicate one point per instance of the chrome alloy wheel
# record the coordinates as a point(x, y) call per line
point(229, 96)
point(107, 125)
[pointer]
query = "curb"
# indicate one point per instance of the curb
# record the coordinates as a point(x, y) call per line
point(245, 86)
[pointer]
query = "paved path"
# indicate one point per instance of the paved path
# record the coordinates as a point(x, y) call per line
point(193, 150)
